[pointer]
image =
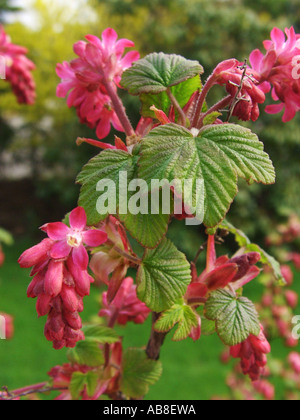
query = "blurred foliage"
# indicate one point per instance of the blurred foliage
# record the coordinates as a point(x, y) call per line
point(209, 31)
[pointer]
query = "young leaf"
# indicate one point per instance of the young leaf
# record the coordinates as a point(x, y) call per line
point(86, 353)
point(147, 229)
point(210, 161)
point(138, 373)
point(182, 93)
point(208, 327)
point(81, 381)
point(244, 242)
point(180, 314)
point(157, 72)
point(236, 318)
point(163, 276)
point(100, 334)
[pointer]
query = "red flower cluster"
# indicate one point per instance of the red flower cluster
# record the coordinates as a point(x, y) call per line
point(18, 69)
point(222, 271)
point(125, 307)
point(85, 78)
point(61, 279)
point(252, 353)
point(279, 67)
point(246, 91)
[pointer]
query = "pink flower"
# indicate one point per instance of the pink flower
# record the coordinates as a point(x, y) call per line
point(60, 276)
point(125, 307)
point(222, 271)
point(291, 298)
point(277, 68)
point(294, 360)
point(2, 257)
point(85, 78)
point(287, 274)
point(229, 73)
point(266, 389)
point(9, 325)
point(71, 240)
point(108, 265)
point(252, 353)
point(18, 69)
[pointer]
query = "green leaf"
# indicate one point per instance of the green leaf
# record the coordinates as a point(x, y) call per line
point(182, 93)
point(81, 381)
point(138, 373)
point(270, 261)
point(208, 327)
point(214, 158)
point(100, 334)
point(5, 237)
point(147, 229)
point(86, 353)
point(211, 118)
point(236, 318)
point(157, 72)
point(180, 314)
point(163, 276)
point(244, 242)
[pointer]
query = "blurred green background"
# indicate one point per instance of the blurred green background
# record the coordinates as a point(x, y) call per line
point(39, 159)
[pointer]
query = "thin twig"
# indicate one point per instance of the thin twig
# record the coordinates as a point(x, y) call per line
point(24, 392)
point(156, 340)
point(177, 107)
point(124, 254)
point(217, 107)
point(236, 99)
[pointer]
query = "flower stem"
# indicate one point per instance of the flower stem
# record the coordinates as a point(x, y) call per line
point(124, 254)
point(119, 108)
point(206, 88)
point(177, 107)
point(156, 340)
point(28, 390)
point(217, 107)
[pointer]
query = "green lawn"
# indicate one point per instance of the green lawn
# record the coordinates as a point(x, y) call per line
point(191, 370)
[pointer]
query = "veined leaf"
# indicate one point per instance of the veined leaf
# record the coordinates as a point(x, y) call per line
point(138, 373)
point(211, 162)
point(236, 318)
point(182, 93)
point(148, 229)
point(163, 276)
point(87, 353)
point(157, 72)
point(244, 242)
point(100, 334)
point(180, 314)
point(81, 381)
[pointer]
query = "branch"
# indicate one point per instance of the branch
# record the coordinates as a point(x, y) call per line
point(32, 389)
point(217, 107)
point(156, 340)
point(236, 99)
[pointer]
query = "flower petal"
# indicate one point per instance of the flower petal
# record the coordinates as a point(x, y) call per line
point(78, 218)
point(60, 249)
point(80, 257)
point(57, 231)
point(94, 237)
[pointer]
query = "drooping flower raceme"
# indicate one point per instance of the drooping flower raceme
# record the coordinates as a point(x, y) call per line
point(279, 68)
point(245, 90)
point(17, 69)
point(125, 307)
point(84, 80)
point(252, 353)
point(60, 276)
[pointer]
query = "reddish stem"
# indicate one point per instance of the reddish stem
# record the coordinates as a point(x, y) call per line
point(211, 253)
point(119, 107)
point(206, 88)
point(217, 107)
